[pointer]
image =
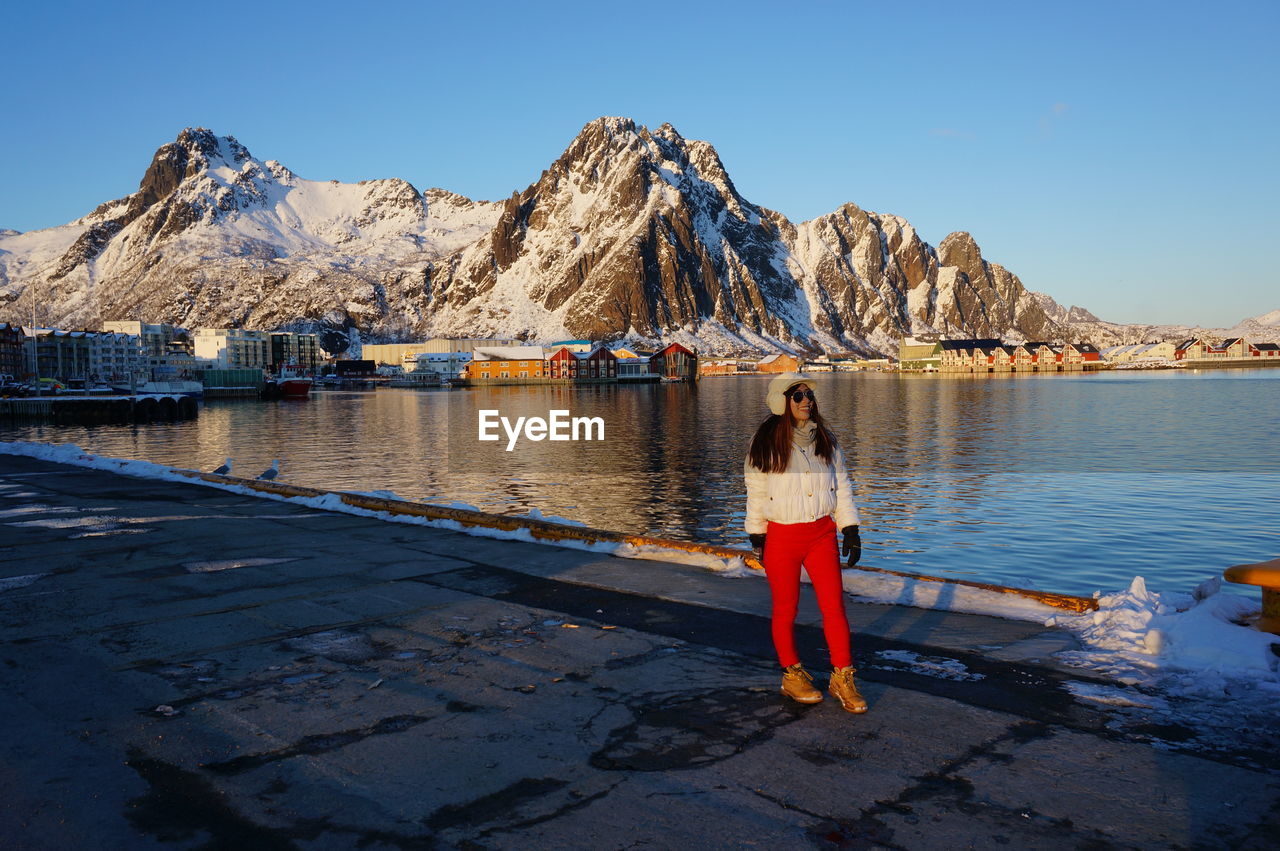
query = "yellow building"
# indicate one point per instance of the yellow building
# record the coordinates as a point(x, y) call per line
point(507, 362)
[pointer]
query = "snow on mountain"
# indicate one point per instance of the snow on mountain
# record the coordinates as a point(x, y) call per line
point(642, 233)
point(214, 236)
point(631, 232)
point(1079, 324)
point(1272, 318)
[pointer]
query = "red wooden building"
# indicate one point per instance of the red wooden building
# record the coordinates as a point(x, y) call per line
point(675, 363)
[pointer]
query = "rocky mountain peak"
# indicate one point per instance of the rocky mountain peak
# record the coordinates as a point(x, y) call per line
point(959, 249)
point(630, 232)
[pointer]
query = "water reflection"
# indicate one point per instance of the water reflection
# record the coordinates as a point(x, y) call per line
point(1068, 483)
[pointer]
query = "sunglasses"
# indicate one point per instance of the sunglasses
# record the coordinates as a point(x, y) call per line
point(799, 396)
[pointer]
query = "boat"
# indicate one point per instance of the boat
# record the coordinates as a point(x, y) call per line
point(291, 382)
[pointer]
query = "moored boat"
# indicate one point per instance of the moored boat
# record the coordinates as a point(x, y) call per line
point(292, 383)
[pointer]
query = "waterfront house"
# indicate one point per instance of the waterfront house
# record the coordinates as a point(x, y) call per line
point(633, 366)
point(819, 364)
point(924, 355)
point(562, 365)
point(967, 355)
point(448, 365)
point(675, 363)
point(1236, 347)
point(1264, 350)
point(507, 362)
point(1074, 356)
point(778, 363)
point(597, 365)
point(1191, 349)
point(1121, 354)
point(717, 367)
point(1153, 351)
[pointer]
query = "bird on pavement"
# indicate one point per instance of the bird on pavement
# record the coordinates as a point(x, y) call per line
point(224, 470)
point(271, 472)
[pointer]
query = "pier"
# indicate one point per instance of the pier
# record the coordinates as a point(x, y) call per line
point(182, 665)
point(100, 410)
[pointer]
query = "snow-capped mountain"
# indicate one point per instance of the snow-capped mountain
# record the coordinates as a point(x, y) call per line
point(631, 232)
point(1271, 319)
point(214, 236)
point(1079, 324)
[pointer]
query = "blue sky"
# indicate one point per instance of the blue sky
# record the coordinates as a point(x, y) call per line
point(1121, 156)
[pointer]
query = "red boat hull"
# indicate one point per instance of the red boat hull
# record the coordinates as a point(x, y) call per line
point(295, 388)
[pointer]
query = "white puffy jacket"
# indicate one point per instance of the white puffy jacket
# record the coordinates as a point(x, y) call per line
point(809, 489)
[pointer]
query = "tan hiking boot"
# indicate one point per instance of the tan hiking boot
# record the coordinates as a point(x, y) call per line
point(797, 684)
point(844, 690)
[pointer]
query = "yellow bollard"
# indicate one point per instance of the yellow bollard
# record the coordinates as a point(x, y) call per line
point(1265, 574)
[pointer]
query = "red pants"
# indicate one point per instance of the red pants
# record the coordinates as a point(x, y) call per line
point(786, 547)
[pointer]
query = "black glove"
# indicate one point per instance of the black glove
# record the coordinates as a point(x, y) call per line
point(757, 543)
point(852, 546)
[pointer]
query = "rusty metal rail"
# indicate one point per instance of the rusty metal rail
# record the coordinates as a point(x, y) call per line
point(563, 532)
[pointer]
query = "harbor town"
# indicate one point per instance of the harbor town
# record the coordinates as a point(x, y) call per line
point(130, 357)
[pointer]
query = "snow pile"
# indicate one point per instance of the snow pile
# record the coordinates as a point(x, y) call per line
point(945, 596)
point(731, 567)
point(1139, 636)
point(930, 666)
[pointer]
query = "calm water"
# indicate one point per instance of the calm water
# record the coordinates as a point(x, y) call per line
point(1067, 483)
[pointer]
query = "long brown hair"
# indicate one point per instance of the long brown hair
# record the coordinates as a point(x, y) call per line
point(771, 446)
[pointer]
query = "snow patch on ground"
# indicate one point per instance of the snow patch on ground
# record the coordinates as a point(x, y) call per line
point(11, 582)
point(931, 666)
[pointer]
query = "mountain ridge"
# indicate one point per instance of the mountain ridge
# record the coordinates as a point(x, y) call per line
point(630, 233)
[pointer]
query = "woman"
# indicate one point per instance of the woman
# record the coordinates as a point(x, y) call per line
point(798, 494)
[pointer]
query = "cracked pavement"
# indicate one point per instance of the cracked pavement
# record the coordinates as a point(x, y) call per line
point(182, 667)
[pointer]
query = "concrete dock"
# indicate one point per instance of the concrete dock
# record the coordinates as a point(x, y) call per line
point(184, 667)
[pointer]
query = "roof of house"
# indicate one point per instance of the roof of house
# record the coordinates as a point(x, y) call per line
point(965, 345)
point(509, 353)
point(1267, 347)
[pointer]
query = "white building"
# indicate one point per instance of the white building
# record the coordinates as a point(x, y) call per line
point(442, 345)
point(232, 348)
point(445, 364)
point(115, 357)
point(632, 366)
point(163, 348)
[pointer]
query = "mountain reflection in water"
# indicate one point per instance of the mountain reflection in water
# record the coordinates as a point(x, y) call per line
point(1067, 483)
